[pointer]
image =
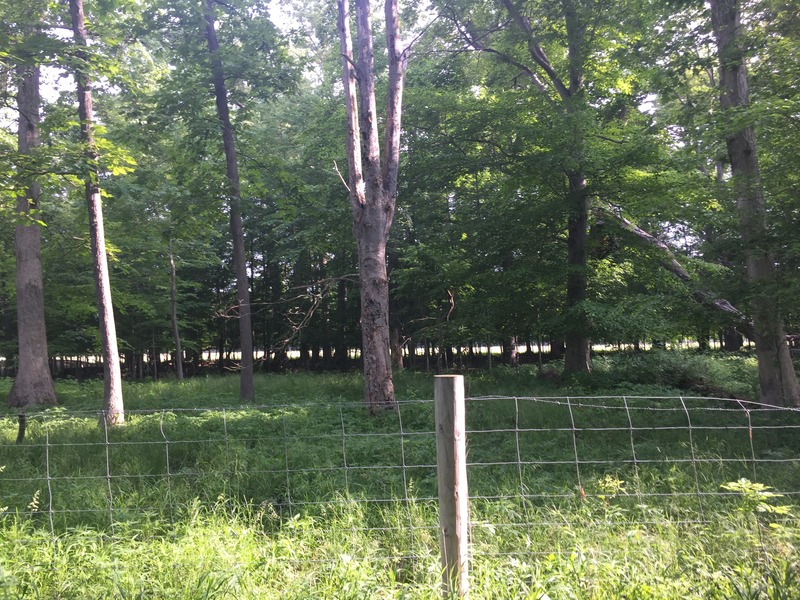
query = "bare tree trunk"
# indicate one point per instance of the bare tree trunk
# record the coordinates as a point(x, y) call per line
point(376, 354)
point(173, 304)
point(113, 408)
point(776, 374)
point(246, 389)
point(33, 383)
point(372, 185)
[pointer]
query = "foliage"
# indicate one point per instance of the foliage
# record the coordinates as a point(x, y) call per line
point(688, 371)
point(478, 252)
point(4, 508)
point(756, 497)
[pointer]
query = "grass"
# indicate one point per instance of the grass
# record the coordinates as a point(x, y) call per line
point(307, 496)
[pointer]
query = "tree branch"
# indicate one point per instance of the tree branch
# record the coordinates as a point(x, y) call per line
point(536, 51)
point(701, 296)
point(476, 43)
point(336, 168)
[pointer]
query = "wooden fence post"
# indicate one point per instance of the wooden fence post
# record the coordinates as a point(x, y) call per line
point(451, 461)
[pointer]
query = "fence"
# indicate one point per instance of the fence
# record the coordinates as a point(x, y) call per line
point(558, 488)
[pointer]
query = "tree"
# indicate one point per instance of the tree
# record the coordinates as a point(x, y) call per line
point(33, 383)
point(173, 313)
point(576, 60)
point(232, 50)
point(246, 390)
point(776, 374)
point(372, 183)
point(113, 407)
point(772, 81)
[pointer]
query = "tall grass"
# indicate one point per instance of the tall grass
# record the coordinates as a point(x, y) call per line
point(200, 503)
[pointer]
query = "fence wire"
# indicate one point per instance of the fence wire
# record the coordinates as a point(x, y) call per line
point(540, 469)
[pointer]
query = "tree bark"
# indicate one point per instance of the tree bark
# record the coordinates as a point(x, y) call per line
point(375, 339)
point(577, 357)
point(578, 354)
point(113, 408)
point(246, 389)
point(33, 383)
point(776, 374)
point(173, 305)
point(372, 185)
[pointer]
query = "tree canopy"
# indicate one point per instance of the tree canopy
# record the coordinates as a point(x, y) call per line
point(564, 180)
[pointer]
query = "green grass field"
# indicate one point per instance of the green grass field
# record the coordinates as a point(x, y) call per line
point(307, 496)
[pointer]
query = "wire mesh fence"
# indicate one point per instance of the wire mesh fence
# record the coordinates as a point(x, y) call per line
point(549, 478)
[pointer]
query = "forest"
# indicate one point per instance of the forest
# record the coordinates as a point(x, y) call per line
point(303, 185)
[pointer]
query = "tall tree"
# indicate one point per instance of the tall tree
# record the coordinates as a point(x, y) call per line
point(776, 374)
point(173, 310)
point(246, 390)
point(373, 183)
point(33, 383)
point(575, 59)
point(113, 407)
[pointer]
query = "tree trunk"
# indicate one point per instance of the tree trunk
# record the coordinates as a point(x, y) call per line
point(33, 383)
point(222, 335)
point(113, 408)
point(556, 348)
point(304, 355)
point(577, 357)
point(173, 304)
point(732, 340)
point(396, 343)
point(510, 352)
point(246, 389)
point(776, 374)
point(578, 354)
point(539, 352)
point(395, 327)
point(703, 336)
point(154, 358)
point(376, 355)
point(272, 333)
point(340, 351)
point(372, 185)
